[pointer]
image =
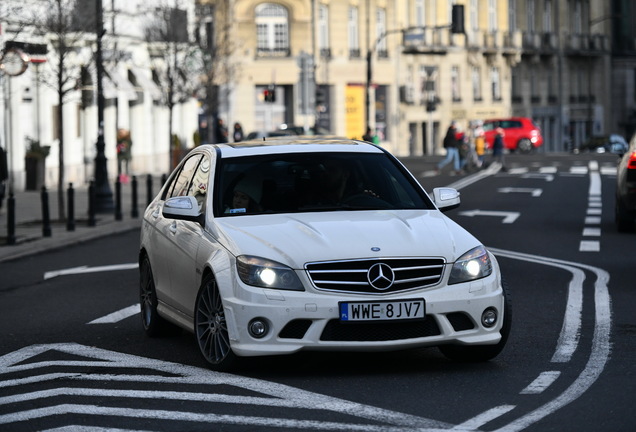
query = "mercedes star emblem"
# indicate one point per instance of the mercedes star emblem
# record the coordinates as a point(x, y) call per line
point(381, 276)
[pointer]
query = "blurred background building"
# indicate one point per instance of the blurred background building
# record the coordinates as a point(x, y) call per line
point(339, 66)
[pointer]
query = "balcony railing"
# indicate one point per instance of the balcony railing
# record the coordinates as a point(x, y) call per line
point(273, 52)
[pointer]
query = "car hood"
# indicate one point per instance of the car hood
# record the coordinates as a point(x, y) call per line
point(295, 239)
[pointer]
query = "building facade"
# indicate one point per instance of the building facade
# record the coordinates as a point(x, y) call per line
point(135, 97)
point(395, 66)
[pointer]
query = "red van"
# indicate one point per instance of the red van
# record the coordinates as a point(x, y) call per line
point(521, 133)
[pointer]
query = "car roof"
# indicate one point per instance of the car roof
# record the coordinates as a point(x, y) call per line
point(293, 144)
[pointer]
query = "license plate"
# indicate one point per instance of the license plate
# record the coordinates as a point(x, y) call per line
point(382, 310)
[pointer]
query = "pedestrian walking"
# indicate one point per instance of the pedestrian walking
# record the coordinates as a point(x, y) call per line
point(480, 142)
point(124, 155)
point(451, 145)
point(498, 148)
point(369, 136)
point(238, 135)
point(220, 131)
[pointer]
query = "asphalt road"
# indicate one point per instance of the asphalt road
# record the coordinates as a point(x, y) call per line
point(73, 355)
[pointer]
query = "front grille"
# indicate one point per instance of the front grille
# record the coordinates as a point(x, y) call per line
point(352, 276)
point(336, 330)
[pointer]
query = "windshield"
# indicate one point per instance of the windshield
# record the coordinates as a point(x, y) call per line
point(293, 183)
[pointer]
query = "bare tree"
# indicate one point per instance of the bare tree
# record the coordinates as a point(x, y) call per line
point(177, 58)
point(217, 45)
point(67, 24)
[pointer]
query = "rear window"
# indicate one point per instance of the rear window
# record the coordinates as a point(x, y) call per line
point(292, 183)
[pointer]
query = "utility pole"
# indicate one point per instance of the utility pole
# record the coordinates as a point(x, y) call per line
point(103, 193)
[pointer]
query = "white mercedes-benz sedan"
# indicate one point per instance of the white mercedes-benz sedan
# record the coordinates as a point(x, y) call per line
point(289, 244)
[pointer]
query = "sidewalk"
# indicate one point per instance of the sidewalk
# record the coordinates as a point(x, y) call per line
point(29, 233)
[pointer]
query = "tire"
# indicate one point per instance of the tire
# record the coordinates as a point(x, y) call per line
point(525, 146)
point(482, 353)
point(210, 327)
point(625, 220)
point(153, 324)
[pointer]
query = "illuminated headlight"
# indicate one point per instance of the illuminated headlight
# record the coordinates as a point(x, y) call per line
point(264, 273)
point(474, 264)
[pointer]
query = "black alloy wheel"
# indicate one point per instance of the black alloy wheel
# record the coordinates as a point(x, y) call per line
point(211, 327)
point(153, 324)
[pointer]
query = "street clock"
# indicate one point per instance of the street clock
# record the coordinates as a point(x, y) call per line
point(14, 62)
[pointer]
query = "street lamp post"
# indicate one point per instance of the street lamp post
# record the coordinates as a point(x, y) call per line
point(103, 194)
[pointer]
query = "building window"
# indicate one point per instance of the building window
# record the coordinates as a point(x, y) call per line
point(534, 83)
point(530, 10)
point(577, 17)
point(495, 81)
point(492, 16)
point(476, 78)
point(354, 37)
point(420, 13)
point(272, 30)
point(380, 29)
point(323, 31)
point(515, 84)
point(455, 89)
point(474, 15)
point(547, 16)
point(512, 15)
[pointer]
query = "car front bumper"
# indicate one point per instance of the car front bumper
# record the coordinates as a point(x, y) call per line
point(309, 320)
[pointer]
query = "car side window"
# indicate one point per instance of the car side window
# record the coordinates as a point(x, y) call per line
point(199, 185)
point(183, 181)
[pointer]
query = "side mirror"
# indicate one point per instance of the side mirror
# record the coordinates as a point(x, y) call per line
point(183, 208)
point(446, 198)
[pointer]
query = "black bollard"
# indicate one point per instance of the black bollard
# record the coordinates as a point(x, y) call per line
point(70, 217)
point(148, 189)
point(135, 210)
point(11, 219)
point(46, 218)
point(91, 204)
point(118, 215)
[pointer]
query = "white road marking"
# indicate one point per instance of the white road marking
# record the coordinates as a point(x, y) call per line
point(86, 269)
point(589, 246)
point(542, 382)
point(117, 316)
point(548, 170)
point(508, 217)
point(532, 191)
point(591, 232)
point(483, 418)
point(595, 183)
point(84, 410)
point(578, 170)
point(172, 373)
point(571, 328)
point(518, 170)
point(546, 177)
point(592, 220)
point(594, 211)
point(605, 170)
point(601, 344)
